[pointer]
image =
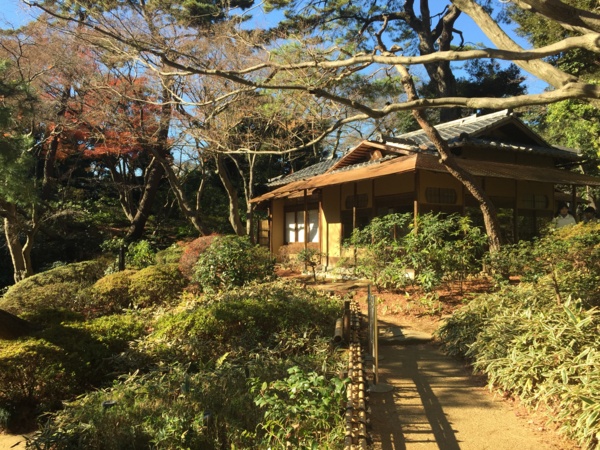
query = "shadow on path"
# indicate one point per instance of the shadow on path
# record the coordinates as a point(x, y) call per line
point(412, 412)
point(436, 404)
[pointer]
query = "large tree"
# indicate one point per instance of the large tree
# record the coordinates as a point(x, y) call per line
point(43, 115)
point(377, 39)
point(583, 118)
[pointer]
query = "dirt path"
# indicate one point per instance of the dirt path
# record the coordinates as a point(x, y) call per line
point(436, 404)
point(12, 442)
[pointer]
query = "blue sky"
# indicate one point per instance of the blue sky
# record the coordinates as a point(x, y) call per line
point(14, 13)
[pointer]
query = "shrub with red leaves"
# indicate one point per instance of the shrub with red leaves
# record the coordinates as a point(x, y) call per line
point(192, 252)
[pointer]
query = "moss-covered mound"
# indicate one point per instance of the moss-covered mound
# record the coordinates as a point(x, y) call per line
point(58, 288)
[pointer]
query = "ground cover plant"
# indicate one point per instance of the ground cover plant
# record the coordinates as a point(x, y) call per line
point(207, 375)
point(134, 360)
point(231, 261)
point(538, 339)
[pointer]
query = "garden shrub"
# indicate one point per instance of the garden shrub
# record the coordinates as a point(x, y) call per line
point(394, 253)
point(567, 259)
point(241, 320)
point(33, 378)
point(169, 255)
point(287, 255)
point(191, 253)
point(538, 340)
point(111, 293)
point(298, 410)
point(58, 362)
point(140, 254)
point(232, 261)
point(58, 288)
point(156, 285)
point(198, 394)
point(310, 258)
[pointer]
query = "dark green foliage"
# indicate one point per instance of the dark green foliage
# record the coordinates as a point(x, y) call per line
point(240, 320)
point(156, 285)
point(111, 294)
point(538, 339)
point(540, 31)
point(232, 261)
point(169, 255)
point(54, 364)
point(140, 254)
point(310, 257)
point(298, 409)
point(393, 253)
point(565, 260)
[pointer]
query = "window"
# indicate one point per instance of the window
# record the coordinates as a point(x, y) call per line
point(294, 226)
point(534, 201)
point(358, 201)
point(398, 203)
point(363, 218)
point(438, 195)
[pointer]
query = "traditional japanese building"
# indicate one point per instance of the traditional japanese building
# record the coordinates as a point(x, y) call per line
point(520, 172)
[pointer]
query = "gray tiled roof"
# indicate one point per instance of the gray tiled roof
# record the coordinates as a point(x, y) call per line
point(556, 152)
point(455, 133)
point(450, 131)
point(364, 164)
point(307, 172)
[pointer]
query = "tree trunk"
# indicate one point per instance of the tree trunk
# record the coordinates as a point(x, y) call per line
point(433, 39)
point(19, 255)
point(11, 326)
point(490, 217)
point(186, 209)
point(234, 204)
point(154, 175)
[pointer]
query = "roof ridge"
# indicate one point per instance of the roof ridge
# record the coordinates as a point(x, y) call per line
point(461, 121)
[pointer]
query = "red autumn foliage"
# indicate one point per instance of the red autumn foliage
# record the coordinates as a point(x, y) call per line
point(192, 252)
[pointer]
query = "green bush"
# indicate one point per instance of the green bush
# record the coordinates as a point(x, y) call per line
point(567, 260)
point(538, 340)
point(241, 320)
point(140, 254)
point(301, 411)
point(198, 392)
point(156, 285)
point(111, 293)
point(171, 409)
point(169, 255)
point(232, 261)
point(56, 363)
point(58, 288)
point(394, 253)
point(33, 377)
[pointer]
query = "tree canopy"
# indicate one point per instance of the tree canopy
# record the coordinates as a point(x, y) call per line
point(162, 97)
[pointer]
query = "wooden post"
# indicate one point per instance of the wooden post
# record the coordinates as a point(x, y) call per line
point(270, 222)
point(305, 225)
point(416, 200)
point(516, 213)
point(122, 258)
point(354, 202)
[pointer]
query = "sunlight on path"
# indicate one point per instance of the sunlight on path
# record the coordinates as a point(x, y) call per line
point(436, 405)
